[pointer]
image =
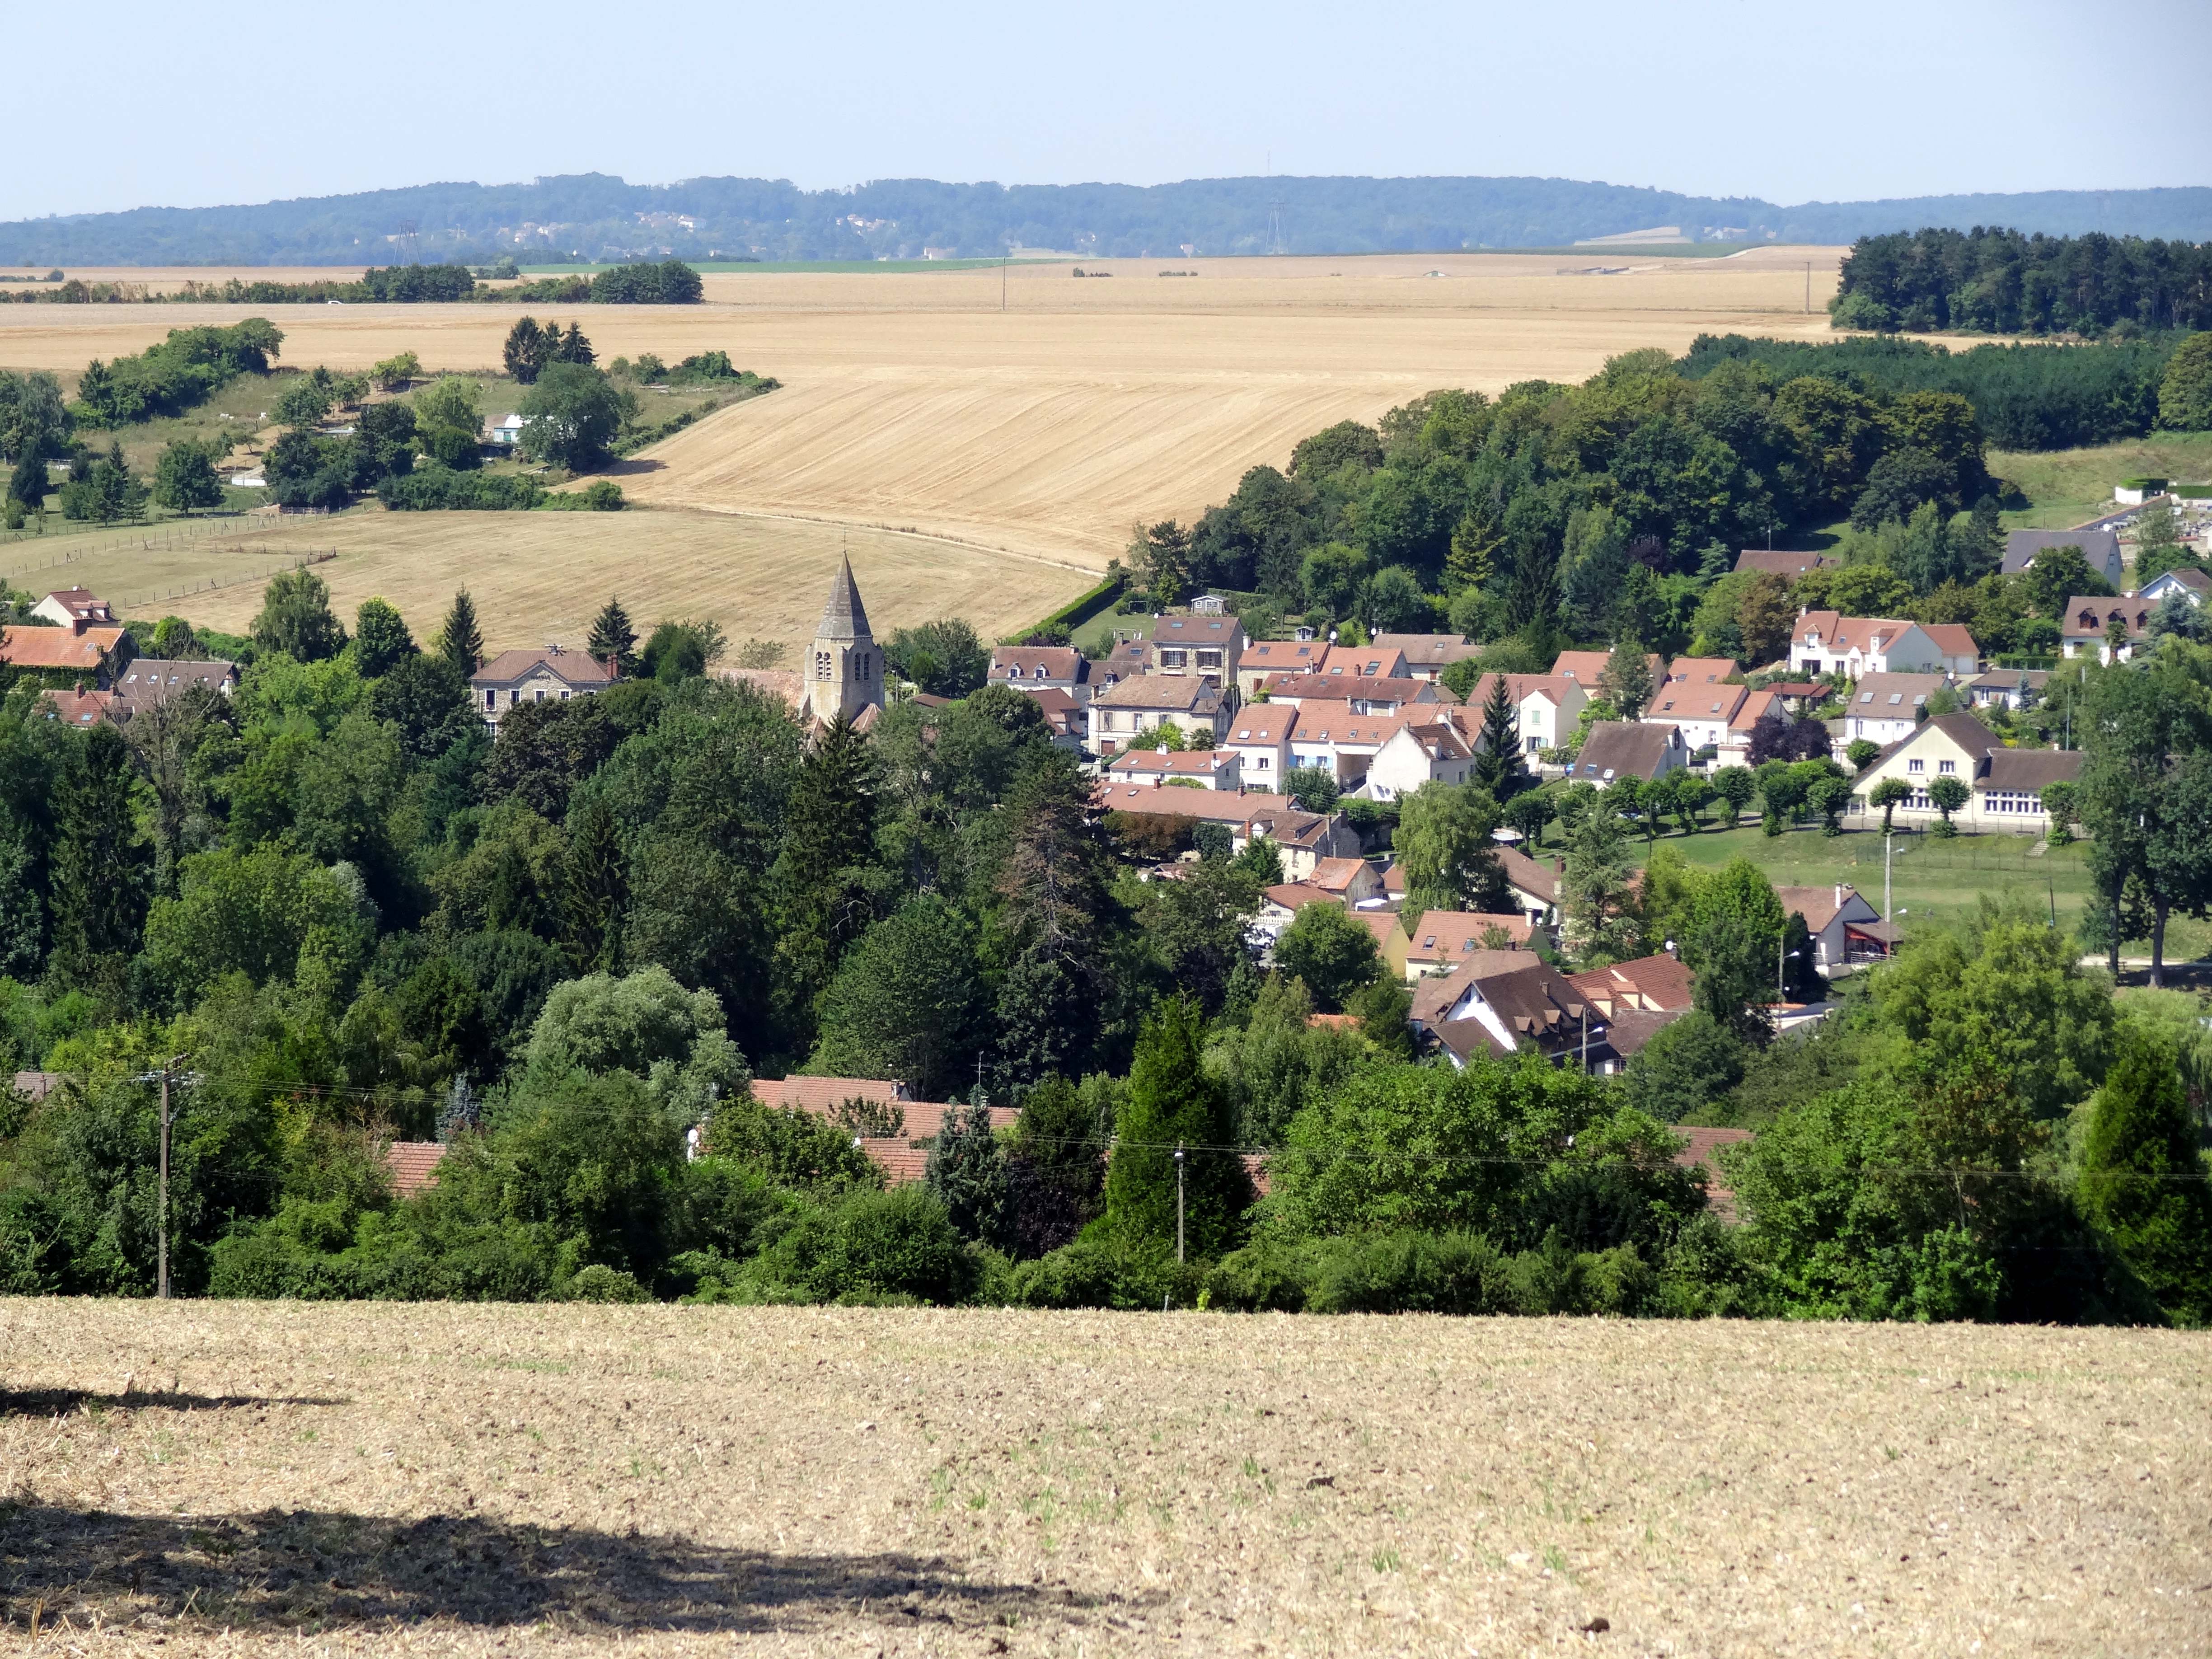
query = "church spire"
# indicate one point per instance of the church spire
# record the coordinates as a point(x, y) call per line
point(844, 617)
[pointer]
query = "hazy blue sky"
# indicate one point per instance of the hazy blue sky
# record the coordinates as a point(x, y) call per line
point(1787, 101)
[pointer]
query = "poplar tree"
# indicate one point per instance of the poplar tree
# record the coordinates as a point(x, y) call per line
point(99, 866)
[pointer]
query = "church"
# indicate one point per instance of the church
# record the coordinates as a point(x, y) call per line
point(843, 669)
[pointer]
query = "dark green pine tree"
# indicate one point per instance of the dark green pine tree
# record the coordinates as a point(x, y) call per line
point(596, 890)
point(2142, 1181)
point(829, 853)
point(525, 351)
point(1497, 765)
point(461, 642)
point(100, 867)
point(613, 636)
point(575, 348)
point(967, 1171)
point(1173, 1101)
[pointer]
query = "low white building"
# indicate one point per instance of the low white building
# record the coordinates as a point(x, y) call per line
point(506, 432)
point(1208, 768)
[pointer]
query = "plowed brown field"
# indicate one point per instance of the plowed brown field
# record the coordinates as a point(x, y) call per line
point(206, 1479)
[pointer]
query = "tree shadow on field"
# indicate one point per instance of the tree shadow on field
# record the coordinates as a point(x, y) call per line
point(59, 1402)
point(313, 1570)
point(629, 468)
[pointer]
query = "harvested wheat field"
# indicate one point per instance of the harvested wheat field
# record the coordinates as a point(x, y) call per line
point(237, 1478)
point(911, 399)
point(540, 577)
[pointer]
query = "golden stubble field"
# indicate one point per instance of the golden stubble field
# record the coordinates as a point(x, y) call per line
point(1047, 427)
point(540, 578)
point(232, 1478)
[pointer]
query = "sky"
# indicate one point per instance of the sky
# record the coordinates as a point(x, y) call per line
point(1787, 102)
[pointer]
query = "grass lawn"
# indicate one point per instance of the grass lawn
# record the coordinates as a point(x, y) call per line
point(1931, 880)
point(2067, 487)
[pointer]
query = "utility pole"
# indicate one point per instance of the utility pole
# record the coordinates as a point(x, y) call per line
point(1178, 1201)
point(161, 1224)
point(1808, 287)
point(1888, 843)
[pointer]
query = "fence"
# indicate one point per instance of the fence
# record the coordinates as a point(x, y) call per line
point(210, 533)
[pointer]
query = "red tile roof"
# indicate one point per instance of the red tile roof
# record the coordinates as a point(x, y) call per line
point(414, 1164)
point(824, 1094)
point(1443, 937)
point(59, 648)
point(901, 1162)
point(85, 708)
point(1702, 1144)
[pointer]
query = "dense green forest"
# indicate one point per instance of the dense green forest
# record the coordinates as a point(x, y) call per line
point(333, 909)
point(594, 217)
point(1990, 280)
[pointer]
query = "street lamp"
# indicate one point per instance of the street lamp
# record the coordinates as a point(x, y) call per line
point(1781, 957)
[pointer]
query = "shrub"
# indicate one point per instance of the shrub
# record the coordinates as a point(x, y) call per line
point(872, 1247)
point(437, 486)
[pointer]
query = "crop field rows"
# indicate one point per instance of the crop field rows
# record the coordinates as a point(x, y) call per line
point(233, 1478)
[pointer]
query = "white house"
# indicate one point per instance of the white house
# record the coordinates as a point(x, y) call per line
point(1414, 755)
point(1697, 700)
point(1209, 768)
point(1544, 709)
point(75, 607)
point(1844, 927)
point(1330, 736)
point(1260, 736)
point(507, 431)
point(1826, 643)
point(1883, 708)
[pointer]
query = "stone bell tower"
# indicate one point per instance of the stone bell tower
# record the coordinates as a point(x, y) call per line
point(844, 669)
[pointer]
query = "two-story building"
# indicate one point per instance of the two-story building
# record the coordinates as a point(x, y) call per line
point(1041, 667)
point(1412, 756)
point(1883, 708)
point(1374, 662)
point(1696, 697)
point(1121, 713)
point(1546, 708)
point(1427, 655)
point(1826, 643)
point(1342, 743)
point(1359, 694)
point(1262, 660)
point(549, 675)
point(1207, 647)
point(2004, 786)
point(2084, 627)
point(1260, 734)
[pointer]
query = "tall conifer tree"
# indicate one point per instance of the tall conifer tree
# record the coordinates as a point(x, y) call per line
point(1174, 1101)
point(98, 867)
point(461, 642)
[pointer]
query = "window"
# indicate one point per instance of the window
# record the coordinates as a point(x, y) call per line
point(1947, 767)
point(822, 665)
point(1916, 766)
point(1038, 673)
point(1206, 659)
point(1895, 698)
point(1173, 658)
point(491, 699)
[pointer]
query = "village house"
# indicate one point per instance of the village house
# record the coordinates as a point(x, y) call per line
point(1357, 695)
point(1130, 659)
point(59, 656)
point(1621, 748)
point(1351, 881)
point(1427, 655)
point(144, 681)
point(1204, 769)
point(1414, 755)
point(1261, 659)
point(1586, 668)
point(1280, 904)
point(1533, 882)
point(1826, 643)
point(1883, 708)
point(1372, 662)
point(2186, 579)
point(1302, 839)
point(1063, 718)
point(81, 707)
point(1694, 696)
point(2005, 785)
point(1655, 984)
point(1546, 708)
point(2084, 625)
point(1041, 667)
point(1344, 744)
point(1844, 927)
point(2101, 548)
point(506, 432)
point(550, 675)
point(75, 608)
point(1498, 1002)
point(1207, 647)
point(1260, 735)
point(1439, 940)
point(1122, 713)
point(1735, 748)
point(2011, 688)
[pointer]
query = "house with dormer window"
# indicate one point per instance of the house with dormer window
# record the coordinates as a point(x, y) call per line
point(1041, 668)
point(1827, 643)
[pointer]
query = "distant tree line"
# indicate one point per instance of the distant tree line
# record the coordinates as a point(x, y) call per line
point(593, 218)
point(2024, 397)
point(671, 282)
point(1988, 281)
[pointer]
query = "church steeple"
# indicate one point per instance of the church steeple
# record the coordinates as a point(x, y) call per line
point(844, 670)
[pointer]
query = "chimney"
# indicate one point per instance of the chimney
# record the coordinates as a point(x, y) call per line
point(1839, 895)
